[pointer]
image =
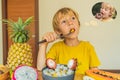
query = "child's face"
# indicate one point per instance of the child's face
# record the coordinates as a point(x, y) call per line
point(105, 10)
point(67, 22)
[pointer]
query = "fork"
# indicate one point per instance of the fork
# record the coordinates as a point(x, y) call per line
point(59, 36)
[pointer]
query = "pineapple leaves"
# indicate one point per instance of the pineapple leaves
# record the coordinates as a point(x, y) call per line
point(21, 37)
point(12, 24)
point(27, 22)
point(13, 34)
point(20, 22)
point(19, 25)
point(17, 30)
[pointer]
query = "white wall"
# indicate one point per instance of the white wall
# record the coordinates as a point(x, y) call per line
point(1, 46)
point(105, 36)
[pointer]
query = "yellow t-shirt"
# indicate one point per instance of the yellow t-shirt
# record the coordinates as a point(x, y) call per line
point(84, 53)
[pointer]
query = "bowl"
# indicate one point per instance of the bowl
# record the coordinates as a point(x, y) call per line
point(62, 72)
point(5, 72)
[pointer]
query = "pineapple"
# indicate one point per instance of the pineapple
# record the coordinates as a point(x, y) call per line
point(20, 52)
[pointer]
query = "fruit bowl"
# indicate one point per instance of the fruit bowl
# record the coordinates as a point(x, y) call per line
point(4, 72)
point(61, 72)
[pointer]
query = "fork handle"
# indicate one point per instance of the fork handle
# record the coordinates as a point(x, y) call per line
point(42, 41)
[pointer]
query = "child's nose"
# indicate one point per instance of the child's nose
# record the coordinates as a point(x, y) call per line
point(103, 11)
point(70, 22)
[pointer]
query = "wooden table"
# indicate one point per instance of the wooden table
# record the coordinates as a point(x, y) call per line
point(77, 77)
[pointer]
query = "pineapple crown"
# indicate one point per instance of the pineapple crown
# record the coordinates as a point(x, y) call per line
point(17, 30)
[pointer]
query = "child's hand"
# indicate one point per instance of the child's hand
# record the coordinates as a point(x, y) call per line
point(50, 37)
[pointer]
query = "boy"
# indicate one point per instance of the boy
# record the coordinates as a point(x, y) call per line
point(64, 20)
point(107, 11)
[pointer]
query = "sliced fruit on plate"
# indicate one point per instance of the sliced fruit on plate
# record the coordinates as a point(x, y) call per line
point(51, 63)
point(25, 73)
point(102, 75)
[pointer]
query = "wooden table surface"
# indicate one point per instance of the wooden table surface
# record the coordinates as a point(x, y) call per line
point(77, 77)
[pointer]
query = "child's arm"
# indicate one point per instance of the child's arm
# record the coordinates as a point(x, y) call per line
point(41, 56)
point(50, 37)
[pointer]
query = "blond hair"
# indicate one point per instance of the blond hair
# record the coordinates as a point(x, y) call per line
point(112, 9)
point(62, 11)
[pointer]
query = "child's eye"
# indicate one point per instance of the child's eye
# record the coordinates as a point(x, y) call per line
point(73, 18)
point(106, 9)
point(63, 21)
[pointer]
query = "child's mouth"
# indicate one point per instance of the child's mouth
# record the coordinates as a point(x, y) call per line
point(72, 30)
point(65, 35)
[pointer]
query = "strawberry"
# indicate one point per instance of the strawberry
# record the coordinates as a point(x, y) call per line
point(51, 63)
point(72, 64)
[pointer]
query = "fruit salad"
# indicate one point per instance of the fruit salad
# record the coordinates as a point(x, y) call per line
point(59, 71)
